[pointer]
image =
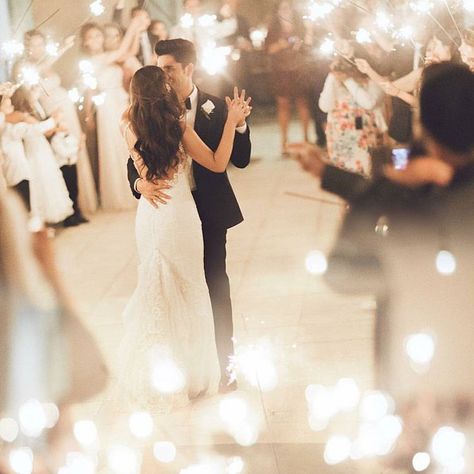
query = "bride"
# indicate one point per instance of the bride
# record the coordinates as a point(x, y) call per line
point(168, 354)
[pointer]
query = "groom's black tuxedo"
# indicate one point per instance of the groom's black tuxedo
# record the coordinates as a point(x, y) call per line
point(219, 210)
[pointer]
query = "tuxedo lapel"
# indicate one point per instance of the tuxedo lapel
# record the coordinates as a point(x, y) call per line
point(200, 123)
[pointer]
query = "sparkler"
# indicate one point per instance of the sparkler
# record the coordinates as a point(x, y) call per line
point(97, 8)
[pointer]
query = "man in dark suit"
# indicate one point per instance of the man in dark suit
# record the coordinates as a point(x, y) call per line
point(215, 200)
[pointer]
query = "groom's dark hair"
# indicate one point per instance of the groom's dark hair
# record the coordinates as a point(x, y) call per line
point(183, 51)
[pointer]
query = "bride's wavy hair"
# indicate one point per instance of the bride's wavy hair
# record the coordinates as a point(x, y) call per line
point(154, 116)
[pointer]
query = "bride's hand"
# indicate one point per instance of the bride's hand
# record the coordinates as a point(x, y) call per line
point(238, 108)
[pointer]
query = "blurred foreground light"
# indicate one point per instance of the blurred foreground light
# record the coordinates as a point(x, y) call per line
point(375, 405)
point(123, 460)
point(448, 448)
point(382, 20)
point(421, 6)
point(85, 432)
point(420, 348)
point(29, 76)
point(205, 21)
point(74, 95)
point(164, 451)
point(319, 10)
point(8, 430)
point(421, 462)
point(52, 48)
point(78, 463)
point(99, 99)
point(97, 8)
point(233, 410)
point(327, 47)
point(214, 59)
point(21, 460)
point(32, 418)
point(167, 377)
point(337, 450)
point(12, 48)
point(235, 465)
point(468, 5)
point(322, 406)
point(245, 434)
point(406, 32)
point(86, 67)
point(187, 20)
point(257, 36)
point(141, 424)
point(89, 81)
point(445, 262)
point(316, 263)
point(363, 36)
point(347, 394)
point(52, 414)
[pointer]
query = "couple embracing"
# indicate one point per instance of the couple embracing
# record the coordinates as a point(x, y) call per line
point(181, 141)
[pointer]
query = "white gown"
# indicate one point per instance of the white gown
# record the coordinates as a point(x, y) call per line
point(169, 328)
point(56, 97)
point(114, 189)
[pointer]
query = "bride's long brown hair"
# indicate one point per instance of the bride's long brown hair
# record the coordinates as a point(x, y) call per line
point(154, 116)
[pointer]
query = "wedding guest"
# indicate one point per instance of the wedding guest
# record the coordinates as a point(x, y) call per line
point(423, 214)
point(355, 119)
point(112, 152)
point(157, 31)
point(49, 195)
point(467, 48)
point(15, 166)
point(54, 98)
point(284, 44)
point(46, 354)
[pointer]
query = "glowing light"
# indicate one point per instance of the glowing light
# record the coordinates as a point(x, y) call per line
point(52, 414)
point(164, 451)
point(375, 405)
point(256, 365)
point(205, 21)
point(445, 262)
point(167, 378)
point(383, 21)
point(52, 48)
point(86, 67)
point(322, 406)
point(85, 432)
point(32, 418)
point(363, 36)
point(89, 81)
point(78, 463)
point(235, 465)
point(8, 430)
point(468, 5)
point(405, 32)
point(141, 424)
point(327, 47)
point(381, 227)
point(257, 36)
point(421, 6)
point(337, 450)
point(13, 48)
point(233, 410)
point(245, 434)
point(448, 447)
point(187, 20)
point(346, 394)
point(21, 460)
point(420, 348)
point(99, 99)
point(29, 75)
point(316, 263)
point(74, 95)
point(318, 10)
point(123, 460)
point(214, 59)
point(97, 8)
point(421, 462)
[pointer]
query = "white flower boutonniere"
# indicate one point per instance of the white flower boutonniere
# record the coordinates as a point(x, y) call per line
point(207, 108)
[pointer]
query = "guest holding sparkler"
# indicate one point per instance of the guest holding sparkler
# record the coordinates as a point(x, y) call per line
point(285, 44)
point(110, 103)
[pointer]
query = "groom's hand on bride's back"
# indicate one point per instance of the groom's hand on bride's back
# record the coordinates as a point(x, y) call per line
point(153, 191)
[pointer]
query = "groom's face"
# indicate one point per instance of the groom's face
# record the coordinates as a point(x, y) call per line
point(180, 77)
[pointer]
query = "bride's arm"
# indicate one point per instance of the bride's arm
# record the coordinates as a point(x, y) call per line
point(137, 159)
point(126, 44)
point(217, 161)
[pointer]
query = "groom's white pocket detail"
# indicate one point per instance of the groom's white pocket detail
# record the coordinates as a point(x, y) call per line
point(208, 107)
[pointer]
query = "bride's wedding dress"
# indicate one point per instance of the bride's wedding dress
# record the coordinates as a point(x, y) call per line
point(168, 354)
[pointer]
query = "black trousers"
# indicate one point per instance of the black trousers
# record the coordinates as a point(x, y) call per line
point(215, 240)
point(70, 177)
point(23, 189)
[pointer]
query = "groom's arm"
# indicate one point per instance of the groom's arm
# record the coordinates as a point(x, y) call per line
point(240, 156)
point(132, 177)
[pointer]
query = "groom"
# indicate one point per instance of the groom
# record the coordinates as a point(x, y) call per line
point(215, 200)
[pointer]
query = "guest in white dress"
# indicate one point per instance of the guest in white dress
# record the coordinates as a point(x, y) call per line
point(113, 154)
point(49, 195)
point(55, 98)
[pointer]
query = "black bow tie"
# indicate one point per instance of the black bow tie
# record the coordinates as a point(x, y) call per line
point(187, 103)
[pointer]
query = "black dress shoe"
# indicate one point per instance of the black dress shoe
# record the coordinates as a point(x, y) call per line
point(81, 219)
point(71, 221)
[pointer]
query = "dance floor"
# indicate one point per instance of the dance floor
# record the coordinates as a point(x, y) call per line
point(315, 336)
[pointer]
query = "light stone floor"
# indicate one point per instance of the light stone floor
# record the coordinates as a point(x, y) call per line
point(316, 335)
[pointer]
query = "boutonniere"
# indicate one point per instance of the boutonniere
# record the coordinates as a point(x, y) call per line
point(207, 108)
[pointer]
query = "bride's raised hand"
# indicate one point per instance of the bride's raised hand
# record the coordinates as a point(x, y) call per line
point(238, 107)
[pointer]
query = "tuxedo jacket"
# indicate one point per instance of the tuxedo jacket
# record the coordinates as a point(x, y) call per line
point(215, 199)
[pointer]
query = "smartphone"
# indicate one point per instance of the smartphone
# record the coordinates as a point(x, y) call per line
point(400, 158)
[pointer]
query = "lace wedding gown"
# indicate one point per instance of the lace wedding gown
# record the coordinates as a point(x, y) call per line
point(168, 354)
